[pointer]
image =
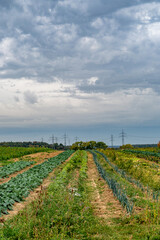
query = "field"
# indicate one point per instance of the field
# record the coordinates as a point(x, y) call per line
point(8, 153)
point(93, 194)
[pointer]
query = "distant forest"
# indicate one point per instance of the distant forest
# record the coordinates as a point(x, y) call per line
point(33, 144)
point(144, 145)
point(57, 146)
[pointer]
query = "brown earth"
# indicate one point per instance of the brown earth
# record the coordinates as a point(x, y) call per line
point(37, 157)
point(105, 205)
point(17, 207)
point(136, 209)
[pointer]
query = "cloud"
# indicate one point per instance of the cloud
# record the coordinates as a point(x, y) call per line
point(30, 97)
point(7, 46)
point(16, 98)
point(92, 80)
point(64, 104)
point(47, 43)
point(76, 55)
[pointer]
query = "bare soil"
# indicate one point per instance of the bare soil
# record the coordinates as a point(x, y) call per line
point(37, 157)
point(104, 203)
point(17, 207)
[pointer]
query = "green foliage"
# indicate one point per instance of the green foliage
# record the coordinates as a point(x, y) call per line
point(13, 167)
point(126, 146)
point(83, 172)
point(114, 185)
point(152, 156)
point(15, 152)
point(101, 145)
point(122, 172)
point(88, 145)
point(158, 144)
point(58, 213)
point(20, 186)
point(143, 173)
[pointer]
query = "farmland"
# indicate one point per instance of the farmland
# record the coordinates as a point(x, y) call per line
point(8, 153)
point(91, 194)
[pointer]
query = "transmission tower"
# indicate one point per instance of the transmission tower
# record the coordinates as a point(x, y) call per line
point(65, 139)
point(122, 135)
point(52, 139)
point(76, 139)
point(112, 141)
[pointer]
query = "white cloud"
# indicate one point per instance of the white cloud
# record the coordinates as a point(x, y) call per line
point(97, 23)
point(56, 101)
point(92, 80)
point(143, 12)
point(30, 97)
point(78, 5)
point(7, 47)
point(49, 51)
point(154, 32)
point(89, 44)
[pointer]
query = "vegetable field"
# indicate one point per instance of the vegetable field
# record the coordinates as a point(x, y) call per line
point(20, 186)
point(104, 194)
point(16, 152)
point(13, 167)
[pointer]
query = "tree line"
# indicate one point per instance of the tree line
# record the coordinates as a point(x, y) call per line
point(88, 145)
point(32, 144)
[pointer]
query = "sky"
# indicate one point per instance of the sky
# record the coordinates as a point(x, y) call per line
point(81, 67)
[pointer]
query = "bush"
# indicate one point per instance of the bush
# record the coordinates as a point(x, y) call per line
point(127, 146)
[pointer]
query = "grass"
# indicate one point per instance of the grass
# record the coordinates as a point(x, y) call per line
point(58, 213)
point(61, 213)
point(9, 153)
point(143, 170)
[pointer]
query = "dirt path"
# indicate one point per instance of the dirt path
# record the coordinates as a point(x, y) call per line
point(17, 207)
point(104, 203)
point(37, 157)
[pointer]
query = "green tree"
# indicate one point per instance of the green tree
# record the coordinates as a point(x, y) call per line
point(126, 146)
point(101, 145)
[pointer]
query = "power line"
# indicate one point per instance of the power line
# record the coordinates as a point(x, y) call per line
point(122, 135)
point(65, 139)
point(52, 138)
point(112, 141)
point(76, 139)
point(56, 139)
point(142, 137)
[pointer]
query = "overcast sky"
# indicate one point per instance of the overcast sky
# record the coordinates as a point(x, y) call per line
point(84, 67)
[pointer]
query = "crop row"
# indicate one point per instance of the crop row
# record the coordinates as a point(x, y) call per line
point(114, 185)
point(63, 213)
point(83, 172)
point(14, 152)
point(145, 171)
point(75, 162)
point(122, 172)
point(14, 167)
point(155, 194)
point(83, 168)
point(152, 156)
point(78, 160)
point(20, 186)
